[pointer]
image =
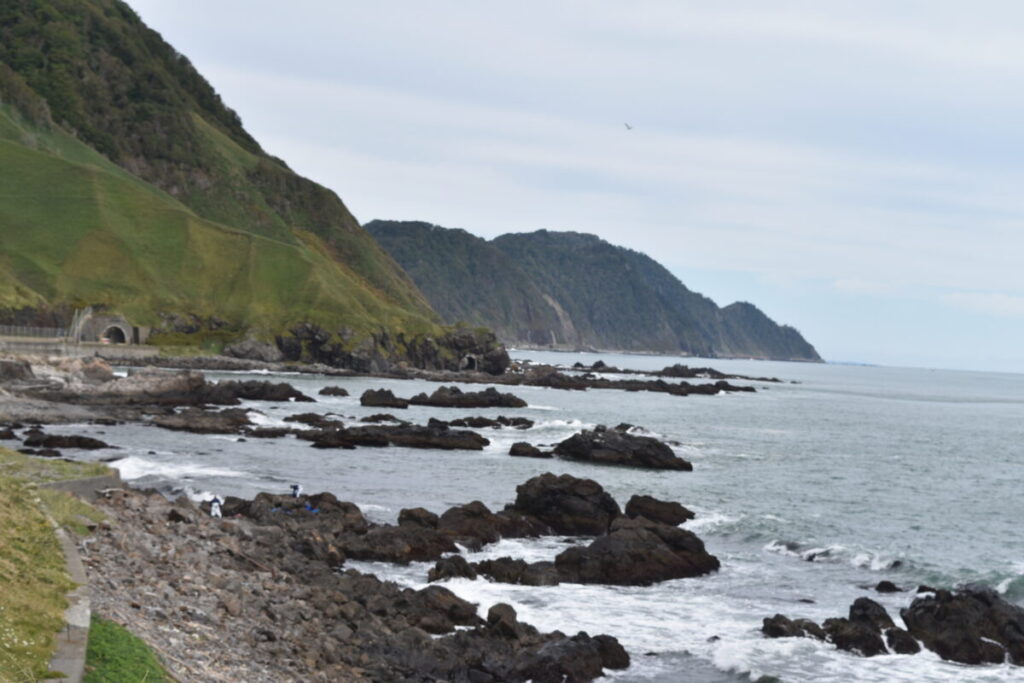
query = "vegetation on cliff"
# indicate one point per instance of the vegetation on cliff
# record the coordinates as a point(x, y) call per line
point(126, 182)
point(576, 290)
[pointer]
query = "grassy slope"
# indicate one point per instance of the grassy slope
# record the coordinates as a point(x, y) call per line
point(186, 237)
point(114, 654)
point(33, 581)
point(79, 230)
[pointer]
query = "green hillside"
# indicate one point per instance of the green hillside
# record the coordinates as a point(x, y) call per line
point(126, 182)
point(575, 290)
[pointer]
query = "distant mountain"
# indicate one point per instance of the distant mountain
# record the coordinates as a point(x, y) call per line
point(126, 183)
point(574, 290)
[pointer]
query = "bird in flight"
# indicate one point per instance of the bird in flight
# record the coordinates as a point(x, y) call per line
point(628, 127)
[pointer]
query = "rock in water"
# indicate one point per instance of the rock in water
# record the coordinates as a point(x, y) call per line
point(566, 504)
point(453, 397)
point(637, 552)
point(610, 447)
point(972, 626)
point(382, 398)
point(662, 511)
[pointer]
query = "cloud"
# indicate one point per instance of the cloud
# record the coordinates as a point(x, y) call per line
point(989, 303)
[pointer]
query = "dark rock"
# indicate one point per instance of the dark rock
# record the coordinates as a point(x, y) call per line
point(662, 511)
point(901, 642)
point(417, 517)
point(201, 421)
point(781, 626)
point(888, 587)
point(503, 621)
point(252, 349)
point(315, 420)
point(567, 505)
point(41, 452)
point(855, 636)
point(333, 391)
point(382, 417)
point(610, 447)
point(637, 552)
point(412, 436)
point(398, 544)
point(972, 626)
point(517, 571)
point(473, 525)
point(382, 398)
point(450, 568)
point(64, 441)
point(868, 611)
point(453, 397)
point(524, 450)
point(228, 392)
point(7, 434)
point(269, 432)
point(613, 655)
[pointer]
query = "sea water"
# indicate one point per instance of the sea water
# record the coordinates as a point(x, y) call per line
point(809, 491)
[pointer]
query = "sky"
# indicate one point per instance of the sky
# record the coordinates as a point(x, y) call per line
point(855, 169)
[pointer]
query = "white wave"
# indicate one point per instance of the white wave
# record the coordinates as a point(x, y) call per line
point(261, 420)
point(781, 548)
point(134, 467)
point(708, 521)
point(876, 562)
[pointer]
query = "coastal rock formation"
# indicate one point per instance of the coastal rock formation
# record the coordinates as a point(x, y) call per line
point(972, 626)
point(409, 436)
point(637, 552)
point(199, 421)
point(496, 423)
point(382, 398)
point(273, 584)
point(522, 449)
point(567, 505)
point(64, 441)
point(666, 512)
point(453, 397)
point(611, 447)
point(230, 392)
point(333, 391)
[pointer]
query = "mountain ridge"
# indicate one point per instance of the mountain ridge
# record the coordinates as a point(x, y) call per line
point(575, 290)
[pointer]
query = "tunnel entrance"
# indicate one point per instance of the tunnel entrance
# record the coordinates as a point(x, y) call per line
point(114, 335)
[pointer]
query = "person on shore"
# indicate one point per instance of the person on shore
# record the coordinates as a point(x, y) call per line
point(215, 507)
point(296, 490)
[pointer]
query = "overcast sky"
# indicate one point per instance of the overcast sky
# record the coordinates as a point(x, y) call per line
point(856, 169)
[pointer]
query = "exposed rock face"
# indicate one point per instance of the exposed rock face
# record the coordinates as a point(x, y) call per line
point(656, 510)
point(15, 371)
point(252, 349)
point(612, 447)
point(452, 567)
point(382, 398)
point(567, 505)
point(781, 626)
point(972, 626)
point(453, 397)
point(516, 571)
point(637, 552)
point(473, 525)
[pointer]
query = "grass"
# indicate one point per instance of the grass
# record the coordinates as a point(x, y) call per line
point(68, 510)
point(45, 470)
point(33, 583)
point(115, 655)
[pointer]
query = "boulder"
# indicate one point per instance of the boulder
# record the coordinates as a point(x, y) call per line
point(522, 449)
point(888, 587)
point(781, 626)
point(417, 517)
point(567, 505)
point(333, 391)
point(229, 392)
point(637, 552)
point(901, 642)
point(7, 434)
point(612, 447)
point(398, 544)
point(517, 571)
point(49, 441)
point(855, 636)
point(15, 371)
point(200, 421)
point(315, 420)
point(972, 626)
point(453, 397)
point(450, 568)
point(382, 398)
point(252, 349)
point(662, 511)
point(473, 525)
point(496, 423)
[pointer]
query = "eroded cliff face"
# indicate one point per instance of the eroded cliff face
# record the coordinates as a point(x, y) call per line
point(572, 290)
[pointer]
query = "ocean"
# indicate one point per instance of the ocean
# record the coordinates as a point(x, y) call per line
point(809, 491)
